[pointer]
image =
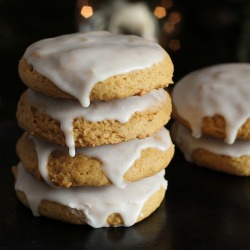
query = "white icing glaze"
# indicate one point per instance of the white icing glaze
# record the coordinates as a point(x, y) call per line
point(43, 152)
point(221, 89)
point(66, 110)
point(96, 203)
point(116, 159)
point(75, 62)
point(187, 143)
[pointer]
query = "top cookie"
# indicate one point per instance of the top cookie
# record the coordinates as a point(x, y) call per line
point(215, 101)
point(95, 66)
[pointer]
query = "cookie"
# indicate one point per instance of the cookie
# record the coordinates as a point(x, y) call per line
point(213, 153)
point(95, 66)
point(97, 207)
point(103, 165)
point(66, 122)
point(215, 101)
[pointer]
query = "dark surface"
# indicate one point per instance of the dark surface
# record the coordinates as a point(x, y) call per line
point(202, 210)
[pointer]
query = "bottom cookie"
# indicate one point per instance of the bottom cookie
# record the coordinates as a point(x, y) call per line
point(213, 153)
point(95, 206)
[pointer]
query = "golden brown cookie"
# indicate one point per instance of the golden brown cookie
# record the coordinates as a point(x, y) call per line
point(215, 101)
point(231, 165)
point(64, 205)
point(138, 82)
point(126, 121)
point(216, 126)
point(95, 66)
point(93, 166)
point(213, 153)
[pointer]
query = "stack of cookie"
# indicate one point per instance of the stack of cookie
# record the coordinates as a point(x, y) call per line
point(95, 146)
point(212, 112)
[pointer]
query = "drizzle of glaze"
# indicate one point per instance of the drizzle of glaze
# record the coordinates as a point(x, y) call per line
point(188, 144)
point(67, 110)
point(217, 90)
point(76, 62)
point(96, 203)
point(115, 159)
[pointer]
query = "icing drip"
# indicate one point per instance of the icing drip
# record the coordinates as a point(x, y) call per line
point(115, 159)
point(188, 144)
point(65, 111)
point(222, 89)
point(43, 152)
point(76, 62)
point(96, 203)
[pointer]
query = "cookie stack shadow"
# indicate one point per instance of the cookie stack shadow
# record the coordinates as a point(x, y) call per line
point(98, 159)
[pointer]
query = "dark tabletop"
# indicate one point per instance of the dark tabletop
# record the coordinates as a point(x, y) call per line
point(202, 210)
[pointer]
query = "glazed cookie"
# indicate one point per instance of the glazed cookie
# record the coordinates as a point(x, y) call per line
point(103, 165)
point(95, 66)
point(96, 206)
point(212, 152)
point(215, 101)
point(66, 122)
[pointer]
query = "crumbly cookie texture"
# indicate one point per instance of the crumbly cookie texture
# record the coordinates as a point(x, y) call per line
point(215, 126)
point(231, 165)
point(140, 125)
point(83, 170)
point(137, 82)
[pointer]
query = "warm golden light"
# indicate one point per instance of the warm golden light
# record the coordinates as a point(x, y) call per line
point(174, 44)
point(167, 3)
point(169, 27)
point(174, 17)
point(86, 11)
point(160, 12)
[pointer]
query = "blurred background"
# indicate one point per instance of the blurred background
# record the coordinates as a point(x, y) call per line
point(196, 33)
